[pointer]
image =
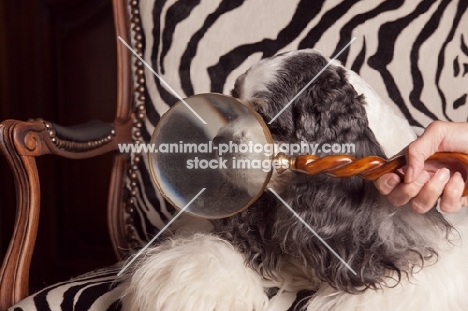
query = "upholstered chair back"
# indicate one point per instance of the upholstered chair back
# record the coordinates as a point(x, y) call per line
point(414, 54)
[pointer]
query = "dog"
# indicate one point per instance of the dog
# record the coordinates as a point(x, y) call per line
point(395, 258)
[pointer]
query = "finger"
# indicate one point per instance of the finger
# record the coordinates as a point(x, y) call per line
point(451, 200)
point(422, 148)
point(431, 192)
point(387, 183)
point(451, 139)
point(404, 192)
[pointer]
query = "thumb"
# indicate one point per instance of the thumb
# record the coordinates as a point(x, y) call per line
point(422, 148)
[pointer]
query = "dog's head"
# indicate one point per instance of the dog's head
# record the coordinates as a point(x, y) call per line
point(374, 238)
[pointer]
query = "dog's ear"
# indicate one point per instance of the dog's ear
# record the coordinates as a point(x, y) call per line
point(348, 216)
point(359, 240)
point(369, 236)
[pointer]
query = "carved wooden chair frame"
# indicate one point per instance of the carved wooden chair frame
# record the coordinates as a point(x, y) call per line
point(21, 142)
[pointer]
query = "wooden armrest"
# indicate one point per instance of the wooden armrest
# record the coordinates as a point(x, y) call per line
point(39, 137)
point(21, 142)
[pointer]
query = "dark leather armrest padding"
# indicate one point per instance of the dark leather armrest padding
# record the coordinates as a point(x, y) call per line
point(89, 131)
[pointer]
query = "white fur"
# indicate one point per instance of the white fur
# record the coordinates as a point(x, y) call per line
point(441, 286)
point(259, 73)
point(204, 272)
point(198, 273)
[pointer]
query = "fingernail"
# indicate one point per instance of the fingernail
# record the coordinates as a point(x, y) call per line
point(457, 178)
point(409, 174)
point(443, 174)
point(393, 181)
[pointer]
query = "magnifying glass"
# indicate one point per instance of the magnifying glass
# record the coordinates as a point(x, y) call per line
point(213, 141)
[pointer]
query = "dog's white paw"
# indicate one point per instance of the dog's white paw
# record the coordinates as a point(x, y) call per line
point(199, 273)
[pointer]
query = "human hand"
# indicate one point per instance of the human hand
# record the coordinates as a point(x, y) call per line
point(424, 182)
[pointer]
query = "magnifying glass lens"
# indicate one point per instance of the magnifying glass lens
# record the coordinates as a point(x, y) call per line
point(227, 155)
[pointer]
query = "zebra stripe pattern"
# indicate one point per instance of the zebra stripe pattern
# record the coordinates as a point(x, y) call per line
point(93, 291)
point(413, 53)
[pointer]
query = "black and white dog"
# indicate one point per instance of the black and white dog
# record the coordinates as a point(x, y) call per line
point(402, 260)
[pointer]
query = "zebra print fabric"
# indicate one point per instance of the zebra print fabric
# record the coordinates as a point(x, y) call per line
point(99, 291)
point(413, 53)
point(96, 291)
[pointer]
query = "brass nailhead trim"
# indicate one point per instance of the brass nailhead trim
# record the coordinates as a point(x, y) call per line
point(140, 115)
point(75, 146)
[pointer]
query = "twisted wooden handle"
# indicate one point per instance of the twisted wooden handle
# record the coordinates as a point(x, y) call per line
point(372, 167)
